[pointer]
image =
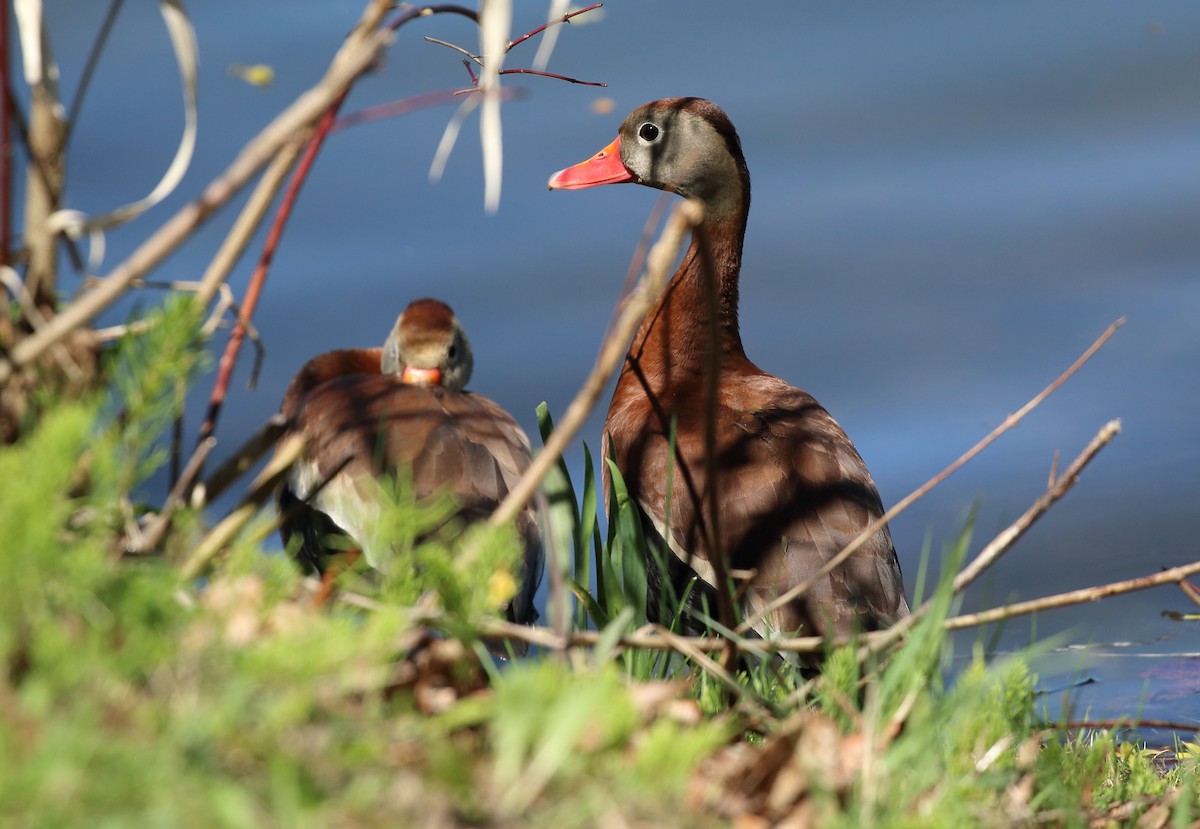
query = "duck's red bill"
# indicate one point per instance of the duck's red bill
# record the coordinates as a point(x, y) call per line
point(604, 167)
point(421, 376)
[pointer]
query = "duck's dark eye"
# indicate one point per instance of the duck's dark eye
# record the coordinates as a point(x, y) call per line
point(648, 132)
point(453, 352)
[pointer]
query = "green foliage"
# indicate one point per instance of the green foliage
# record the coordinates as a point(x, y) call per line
point(150, 372)
point(130, 700)
point(552, 728)
point(34, 512)
point(618, 603)
point(622, 566)
point(571, 524)
point(1108, 771)
point(471, 571)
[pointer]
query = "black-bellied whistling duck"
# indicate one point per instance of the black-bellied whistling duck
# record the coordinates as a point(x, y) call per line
point(369, 412)
point(793, 491)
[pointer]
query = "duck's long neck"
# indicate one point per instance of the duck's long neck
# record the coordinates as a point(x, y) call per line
point(670, 347)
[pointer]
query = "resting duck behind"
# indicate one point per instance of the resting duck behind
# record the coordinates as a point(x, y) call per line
point(368, 413)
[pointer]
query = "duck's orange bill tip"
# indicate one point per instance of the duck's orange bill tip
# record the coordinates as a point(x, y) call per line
point(421, 376)
point(604, 167)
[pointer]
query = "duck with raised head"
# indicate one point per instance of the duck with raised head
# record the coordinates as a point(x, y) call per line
point(368, 413)
point(793, 490)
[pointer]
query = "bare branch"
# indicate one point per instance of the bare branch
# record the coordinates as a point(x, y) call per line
point(470, 56)
point(904, 503)
point(153, 535)
point(1009, 536)
point(411, 104)
point(257, 445)
point(1190, 591)
point(1175, 575)
point(1057, 489)
point(1135, 722)
point(238, 238)
point(566, 18)
point(548, 638)
point(414, 12)
point(260, 491)
point(357, 56)
point(550, 75)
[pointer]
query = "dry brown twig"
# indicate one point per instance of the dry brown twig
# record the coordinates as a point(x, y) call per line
point(254, 289)
point(686, 215)
point(225, 302)
point(811, 644)
point(646, 639)
point(1055, 490)
point(683, 645)
point(260, 490)
point(356, 56)
point(1004, 541)
point(1190, 591)
point(250, 218)
point(547, 638)
point(904, 503)
point(257, 445)
point(240, 462)
point(1134, 722)
point(1174, 575)
point(145, 541)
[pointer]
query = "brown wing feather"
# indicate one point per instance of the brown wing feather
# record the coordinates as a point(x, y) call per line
point(793, 492)
point(325, 367)
point(363, 426)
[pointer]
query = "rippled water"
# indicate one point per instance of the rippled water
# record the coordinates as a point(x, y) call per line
point(951, 201)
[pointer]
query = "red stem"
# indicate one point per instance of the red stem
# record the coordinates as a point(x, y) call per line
point(254, 290)
point(422, 11)
point(566, 18)
point(259, 277)
point(550, 75)
point(395, 108)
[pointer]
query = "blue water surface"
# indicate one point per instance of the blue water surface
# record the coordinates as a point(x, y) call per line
point(951, 201)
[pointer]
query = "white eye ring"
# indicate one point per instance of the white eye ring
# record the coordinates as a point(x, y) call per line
point(648, 133)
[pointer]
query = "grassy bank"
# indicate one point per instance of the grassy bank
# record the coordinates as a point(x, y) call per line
point(134, 697)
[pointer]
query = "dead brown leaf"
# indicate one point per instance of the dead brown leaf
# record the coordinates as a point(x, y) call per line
point(437, 672)
point(774, 784)
point(664, 699)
